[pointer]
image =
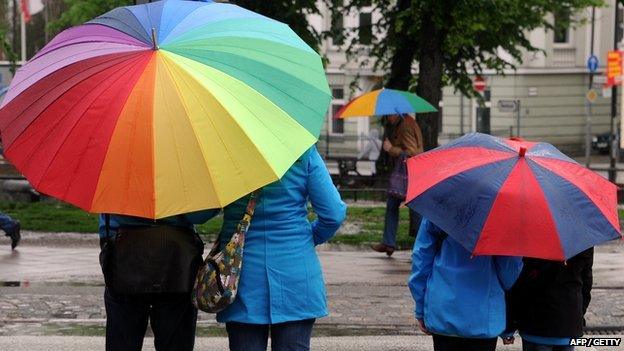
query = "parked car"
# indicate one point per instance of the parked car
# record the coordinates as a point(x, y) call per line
point(601, 143)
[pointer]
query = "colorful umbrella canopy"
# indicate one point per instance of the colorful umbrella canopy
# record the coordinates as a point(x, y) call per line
point(385, 102)
point(512, 197)
point(164, 108)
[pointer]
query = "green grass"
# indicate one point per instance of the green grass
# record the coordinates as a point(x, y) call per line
point(51, 217)
point(371, 223)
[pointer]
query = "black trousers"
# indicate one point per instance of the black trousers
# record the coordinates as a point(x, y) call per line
point(450, 343)
point(172, 316)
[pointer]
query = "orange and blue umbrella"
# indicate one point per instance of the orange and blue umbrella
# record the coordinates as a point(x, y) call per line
point(384, 102)
point(512, 197)
point(164, 108)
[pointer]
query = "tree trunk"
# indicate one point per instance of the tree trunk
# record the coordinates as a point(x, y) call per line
point(404, 54)
point(430, 78)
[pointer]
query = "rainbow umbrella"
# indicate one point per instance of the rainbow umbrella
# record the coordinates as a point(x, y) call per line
point(512, 197)
point(385, 102)
point(164, 108)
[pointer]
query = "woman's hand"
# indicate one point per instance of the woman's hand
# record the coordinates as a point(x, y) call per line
point(421, 326)
point(508, 340)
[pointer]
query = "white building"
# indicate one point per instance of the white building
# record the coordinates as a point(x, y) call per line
point(550, 86)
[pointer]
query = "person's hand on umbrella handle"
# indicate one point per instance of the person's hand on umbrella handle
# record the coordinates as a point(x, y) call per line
point(387, 145)
point(508, 340)
point(421, 326)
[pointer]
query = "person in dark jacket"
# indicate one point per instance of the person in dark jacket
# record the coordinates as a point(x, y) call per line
point(12, 229)
point(548, 302)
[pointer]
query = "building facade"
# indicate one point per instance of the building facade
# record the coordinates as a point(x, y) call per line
point(551, 87)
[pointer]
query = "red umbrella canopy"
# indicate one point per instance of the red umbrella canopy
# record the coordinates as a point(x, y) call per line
point(512, 197)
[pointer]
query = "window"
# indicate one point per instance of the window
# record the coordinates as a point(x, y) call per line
point(337, 25)
point(337, 125)
point(562, 27)
point(366, 28)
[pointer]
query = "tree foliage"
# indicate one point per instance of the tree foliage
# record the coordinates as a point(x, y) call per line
point(80, 11)
point(292, 12)
point(451, 40)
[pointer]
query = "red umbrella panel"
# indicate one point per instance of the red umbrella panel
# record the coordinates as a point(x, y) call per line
point(513, 197)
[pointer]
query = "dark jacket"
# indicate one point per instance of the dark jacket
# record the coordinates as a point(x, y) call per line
point(550, 298)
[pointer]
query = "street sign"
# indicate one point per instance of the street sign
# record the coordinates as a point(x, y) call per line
point(479, 84)
point(507, 105)
point(592, 63)
point(591, 96)
point(614, 67)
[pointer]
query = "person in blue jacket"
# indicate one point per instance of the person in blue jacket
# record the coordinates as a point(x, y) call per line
point(460, 299)
point(281, 290)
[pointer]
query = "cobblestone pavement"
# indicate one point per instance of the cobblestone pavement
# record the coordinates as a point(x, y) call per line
point(47, 289)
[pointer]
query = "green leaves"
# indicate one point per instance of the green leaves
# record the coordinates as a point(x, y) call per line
point(80, 11)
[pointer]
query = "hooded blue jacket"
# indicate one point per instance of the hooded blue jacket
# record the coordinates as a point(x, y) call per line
point(457, 295)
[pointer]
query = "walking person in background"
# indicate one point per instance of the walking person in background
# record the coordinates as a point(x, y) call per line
point(281, 289)
point(547, 304)
point(149, 268)
point(403, 140)
point(372, 148)
point(12, 229)
point(459, 299)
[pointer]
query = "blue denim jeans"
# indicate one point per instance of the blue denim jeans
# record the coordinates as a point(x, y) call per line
point(7, 223)
point(391, 224)
point(529, 346)
point(289, 336)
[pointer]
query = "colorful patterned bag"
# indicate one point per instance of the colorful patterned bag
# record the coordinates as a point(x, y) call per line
point(216, 284)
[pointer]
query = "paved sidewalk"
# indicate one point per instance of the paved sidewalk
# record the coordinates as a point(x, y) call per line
point(51, 289)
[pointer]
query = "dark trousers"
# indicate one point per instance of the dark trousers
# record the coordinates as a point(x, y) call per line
point(450, 343)
point(172, 316)
point(289, 336)
point(529, 346)
point(391, 224)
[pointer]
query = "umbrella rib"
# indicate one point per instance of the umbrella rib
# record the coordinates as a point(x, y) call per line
point(47, 168)
point(201, 149)
point(164, 39)
point(55, 100)
point(64, 59)
point(251, 112)
point(60, 46)
point(302, 103)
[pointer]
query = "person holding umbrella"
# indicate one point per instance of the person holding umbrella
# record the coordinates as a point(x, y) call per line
point(402, 139)
point(149, 267)
point(512, 197)
point(281, 290)
point(547, 304)
point(459, 299)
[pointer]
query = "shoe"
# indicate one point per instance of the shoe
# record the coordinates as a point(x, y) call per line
point(381, 247)
point(15, 235)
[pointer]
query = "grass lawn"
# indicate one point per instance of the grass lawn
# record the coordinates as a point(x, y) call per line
point(52, 216)
point(364, 224)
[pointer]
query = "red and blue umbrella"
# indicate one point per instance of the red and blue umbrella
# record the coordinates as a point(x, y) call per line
point(513, 197)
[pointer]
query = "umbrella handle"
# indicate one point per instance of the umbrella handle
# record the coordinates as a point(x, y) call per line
point(522, 151)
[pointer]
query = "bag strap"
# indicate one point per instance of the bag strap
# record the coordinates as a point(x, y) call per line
point(245, 222)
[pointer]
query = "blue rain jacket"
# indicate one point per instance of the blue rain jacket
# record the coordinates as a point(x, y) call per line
point(457, 295)
point(281, 277)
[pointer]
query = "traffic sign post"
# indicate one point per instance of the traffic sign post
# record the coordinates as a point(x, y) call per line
point(511, 106)
point(592, 63)
point(479, 84)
